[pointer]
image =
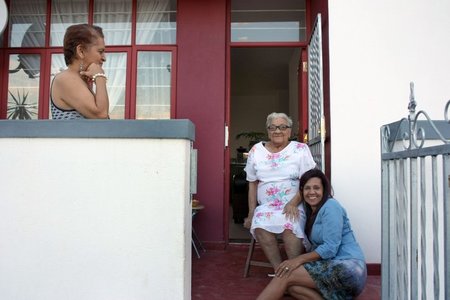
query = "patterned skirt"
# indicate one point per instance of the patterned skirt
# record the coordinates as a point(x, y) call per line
point(338, 279)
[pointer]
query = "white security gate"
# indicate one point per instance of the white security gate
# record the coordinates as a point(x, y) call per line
point(415, 158)
point(316, 120)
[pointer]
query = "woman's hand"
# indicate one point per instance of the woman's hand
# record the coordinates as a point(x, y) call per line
point(91, 70)
point(248, 220)
point(291, 211)
point(287, 266)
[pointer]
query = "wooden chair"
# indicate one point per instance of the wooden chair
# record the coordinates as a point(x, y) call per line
point(252, 262)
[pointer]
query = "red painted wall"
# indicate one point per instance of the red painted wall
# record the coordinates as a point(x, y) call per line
point(201, 86)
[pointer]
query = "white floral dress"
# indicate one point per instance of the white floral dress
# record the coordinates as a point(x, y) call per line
point(278, 177)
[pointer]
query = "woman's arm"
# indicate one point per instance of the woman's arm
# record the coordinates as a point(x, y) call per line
point(331, 220)
point(76, 93)
point(291, 208)
point(252, 202)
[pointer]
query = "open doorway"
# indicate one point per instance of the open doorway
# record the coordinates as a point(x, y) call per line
point(263, 80)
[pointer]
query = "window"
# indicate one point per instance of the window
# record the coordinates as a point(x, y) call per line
point(153, 85)
point(114, 16)
point(23, 89)
point(27, 23)
point(64, 14)
point(156, 22)
point(139, 68)
point(115, 68)
point(268, 21)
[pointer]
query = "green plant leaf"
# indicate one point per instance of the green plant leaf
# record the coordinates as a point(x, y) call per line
point(19, 108)
point(252, 135)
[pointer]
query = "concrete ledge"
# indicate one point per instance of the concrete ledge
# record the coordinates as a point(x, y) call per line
point(167, 129)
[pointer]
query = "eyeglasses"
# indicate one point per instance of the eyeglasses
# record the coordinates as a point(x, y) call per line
point(281, 127)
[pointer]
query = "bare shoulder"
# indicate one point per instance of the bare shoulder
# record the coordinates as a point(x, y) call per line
point(64, 88)
point(66, 78)
point(67, 84)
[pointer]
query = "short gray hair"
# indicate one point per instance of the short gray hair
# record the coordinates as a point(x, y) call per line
point(276, 115)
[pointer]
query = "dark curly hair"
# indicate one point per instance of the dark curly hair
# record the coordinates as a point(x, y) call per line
point(327, 193)
point(79, 34)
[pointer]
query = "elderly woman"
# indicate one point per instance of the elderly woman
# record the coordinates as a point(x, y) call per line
point(72, 94)
point(273, 171)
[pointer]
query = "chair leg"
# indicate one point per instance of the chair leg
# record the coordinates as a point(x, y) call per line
point(197, 240)
point(195, 248)
point(251, 248)
point(250, 262)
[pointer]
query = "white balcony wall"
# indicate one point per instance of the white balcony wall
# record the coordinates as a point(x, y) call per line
point(94, 218)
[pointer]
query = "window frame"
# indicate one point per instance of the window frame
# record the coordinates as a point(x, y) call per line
point(133, 82)
point(45, 66)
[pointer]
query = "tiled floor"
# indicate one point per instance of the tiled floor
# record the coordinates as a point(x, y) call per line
point(218, 275)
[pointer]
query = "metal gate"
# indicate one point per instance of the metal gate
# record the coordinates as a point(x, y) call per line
point(415, 164)
point(316, 119)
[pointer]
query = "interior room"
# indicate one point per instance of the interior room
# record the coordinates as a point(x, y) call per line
point(263, 80)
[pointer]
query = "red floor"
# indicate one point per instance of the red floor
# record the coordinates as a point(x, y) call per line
point(219, 275)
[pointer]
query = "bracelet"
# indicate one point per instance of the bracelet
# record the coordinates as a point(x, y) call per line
point(99, 75)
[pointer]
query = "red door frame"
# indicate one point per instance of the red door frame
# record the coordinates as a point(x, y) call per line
point(226, 189)
point(303, 103)
point(303, 96)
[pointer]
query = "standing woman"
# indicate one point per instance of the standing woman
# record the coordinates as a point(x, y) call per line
point(335, 268)
point(72, 94)
point(273, 171)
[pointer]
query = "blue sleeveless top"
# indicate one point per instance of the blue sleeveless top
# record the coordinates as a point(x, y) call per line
point(62, 114)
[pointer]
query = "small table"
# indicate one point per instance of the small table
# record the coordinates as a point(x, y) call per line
point(195, 239)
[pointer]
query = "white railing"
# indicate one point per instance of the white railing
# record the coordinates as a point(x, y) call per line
point(415, 162)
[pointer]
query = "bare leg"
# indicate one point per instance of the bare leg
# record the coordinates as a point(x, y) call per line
point(299, 277)
point(292, 244)
point(269, 244)
point(300, 292)
point(274, 290)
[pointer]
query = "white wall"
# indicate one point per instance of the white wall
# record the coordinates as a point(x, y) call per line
point(376, 49)
point(95, 219)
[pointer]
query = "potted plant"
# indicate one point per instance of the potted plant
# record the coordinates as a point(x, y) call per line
point(253, 137)
point(19, 108)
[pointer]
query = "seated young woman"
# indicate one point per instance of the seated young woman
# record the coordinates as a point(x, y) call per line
point(335, 267)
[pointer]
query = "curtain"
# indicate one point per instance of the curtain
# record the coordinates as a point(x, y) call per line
point(153, 85)
point(64, 14)
point(27, 23)
point(154, 22)
point(114, 16)
point(115, 69)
